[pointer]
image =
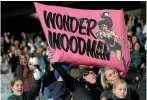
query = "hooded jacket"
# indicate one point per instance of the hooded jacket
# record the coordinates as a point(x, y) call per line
point(81, 90)
point(59, 91)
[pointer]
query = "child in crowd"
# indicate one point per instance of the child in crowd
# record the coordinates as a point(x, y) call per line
point(119, 91)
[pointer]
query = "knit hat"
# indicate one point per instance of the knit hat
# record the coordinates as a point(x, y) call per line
point(66, 68)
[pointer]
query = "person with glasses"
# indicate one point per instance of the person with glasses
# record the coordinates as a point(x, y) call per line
point(86, 88)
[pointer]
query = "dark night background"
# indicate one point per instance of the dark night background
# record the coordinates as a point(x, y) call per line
point(15, 15)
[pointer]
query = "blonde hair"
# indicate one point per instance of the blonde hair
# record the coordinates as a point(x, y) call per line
point(104, 82)
point(119, 81)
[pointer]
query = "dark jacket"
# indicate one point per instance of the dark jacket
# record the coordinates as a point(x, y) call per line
point(19, 71)
point(81, 90)
point(59, 91)
point(31, 94)
point(131, 95)
point(142, 86)
point(14, 61)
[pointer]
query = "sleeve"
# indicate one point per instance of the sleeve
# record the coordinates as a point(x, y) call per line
point(59, 92)
point(71, 82)
point(13, 97)
point(26, 72)
point(35, 87)
point(104, 94)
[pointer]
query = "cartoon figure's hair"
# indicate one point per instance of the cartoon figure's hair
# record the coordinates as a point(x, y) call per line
point(106, 20)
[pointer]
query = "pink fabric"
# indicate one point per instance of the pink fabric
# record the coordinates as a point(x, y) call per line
point(60, 55)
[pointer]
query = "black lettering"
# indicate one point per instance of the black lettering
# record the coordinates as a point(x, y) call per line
point(56, 40)
point(80, 42)
point(106, 52)
point(73, 38)
point(91, 49)
point(90, 28)
point(100, 48)
point(81, 26)
point(59, 21)
point(50, 37)
point(66, 48)
point(49, 18)
point(66, 23)
point(72, 20)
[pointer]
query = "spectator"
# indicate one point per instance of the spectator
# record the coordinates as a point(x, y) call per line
point(108, 77)
point(135, 58)
point(4, 64)
point(85, 89)
point(13, 59)
point(25, 50)
point(24, 37)
point(130, 34)
point(134, 39)
point(16, 43)
point(31, 45)
point(131, 21)
point(23, 44)
point(38, 42)
point(21, 67)
point(140, 36)
point(17, 88)
point(119, 91)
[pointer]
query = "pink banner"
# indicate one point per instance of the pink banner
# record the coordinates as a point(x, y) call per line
point(88, 37)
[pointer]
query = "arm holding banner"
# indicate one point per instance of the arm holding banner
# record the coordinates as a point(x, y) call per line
point(71, 82)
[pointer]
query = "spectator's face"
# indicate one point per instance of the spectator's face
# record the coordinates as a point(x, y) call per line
point(13, 48)
point(23, 44)
point(19, 52)
point(12, 41)
point(120, 90)
point(17, 88)
point(16, 43)
point(111, 76)
point(139, 30)
point(134, 39)
point(137, 46)
point(90, 77)
point(130, 33)
point(25, 50)
point(38, 39)
point(23, 59)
